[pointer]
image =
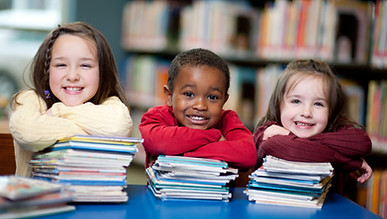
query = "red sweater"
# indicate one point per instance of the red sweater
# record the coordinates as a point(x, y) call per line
point(343, 148)
point(163, 135)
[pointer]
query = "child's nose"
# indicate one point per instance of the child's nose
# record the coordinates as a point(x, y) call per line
point(72, 75)
point(200, 104)
point(306, 112)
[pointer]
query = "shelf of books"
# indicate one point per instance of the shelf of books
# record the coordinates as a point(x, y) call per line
point(245, 37)
point(257, 39)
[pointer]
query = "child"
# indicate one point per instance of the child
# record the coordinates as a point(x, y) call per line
point(76, 91)
point(305, 121)
point(194, 123)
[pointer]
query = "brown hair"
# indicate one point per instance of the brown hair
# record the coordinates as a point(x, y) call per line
point(307, 68)
point(109, 83)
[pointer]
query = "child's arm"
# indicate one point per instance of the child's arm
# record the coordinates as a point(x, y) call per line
point(238, 147)
point(111, 118)
point(33, 129)
point(343, 148)
point(162, 135)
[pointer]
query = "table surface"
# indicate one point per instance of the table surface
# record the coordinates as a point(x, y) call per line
point(142, 204)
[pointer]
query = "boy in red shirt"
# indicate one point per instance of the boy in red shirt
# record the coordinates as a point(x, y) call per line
point(193, 123)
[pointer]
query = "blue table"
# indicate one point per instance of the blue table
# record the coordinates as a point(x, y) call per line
point(142, 204)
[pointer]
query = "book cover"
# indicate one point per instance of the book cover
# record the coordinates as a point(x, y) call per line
point(15, 187)
point(96, 146)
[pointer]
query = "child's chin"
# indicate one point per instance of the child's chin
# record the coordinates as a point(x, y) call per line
point(194, 126)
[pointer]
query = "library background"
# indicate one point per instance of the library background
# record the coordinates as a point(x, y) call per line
point(256, 38)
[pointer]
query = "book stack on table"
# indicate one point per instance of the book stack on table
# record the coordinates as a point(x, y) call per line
point(290, 183)
point(25, 197)
point(93, 166)
point(185, 178)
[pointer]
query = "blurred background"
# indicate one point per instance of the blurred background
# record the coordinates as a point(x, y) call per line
point(256, 38)
point(23, 26)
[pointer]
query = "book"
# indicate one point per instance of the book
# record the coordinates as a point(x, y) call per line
point(91, 166)
point(103, 139)
point(190, 178)
point(274, 164)
point(38, 212)
point(290, 183)
point(16, 188)
point(26, 197)
point(98, 143)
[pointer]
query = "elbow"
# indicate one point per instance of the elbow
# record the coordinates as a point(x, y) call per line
point(250, 160)
point(368, 148)
point(33, 146)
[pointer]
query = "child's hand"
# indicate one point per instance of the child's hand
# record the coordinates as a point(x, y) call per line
point(222, 138)
point(363, 174)
point(274, 130)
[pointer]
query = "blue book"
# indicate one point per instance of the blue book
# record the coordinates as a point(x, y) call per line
point(192, 161)
point(95, 146)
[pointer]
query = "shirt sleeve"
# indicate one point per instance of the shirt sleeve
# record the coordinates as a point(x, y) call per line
point(343, 148)
point(111, 118)
point(238, 147)
point(162, 135)
point(33, 129)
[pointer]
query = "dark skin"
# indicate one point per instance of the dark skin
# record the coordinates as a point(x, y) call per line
point(198, 97)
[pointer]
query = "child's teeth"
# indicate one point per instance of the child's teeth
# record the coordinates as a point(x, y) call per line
point(197, 118)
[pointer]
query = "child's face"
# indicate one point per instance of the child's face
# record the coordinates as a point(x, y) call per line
point(304, 109)
point(74, 70)
point(198, 96)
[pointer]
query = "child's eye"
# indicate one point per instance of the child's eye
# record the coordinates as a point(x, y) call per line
point(295, 101)
point(212, 97)
point(60, 65)
point(85, 66)
point(319, 104)
point(188, 94)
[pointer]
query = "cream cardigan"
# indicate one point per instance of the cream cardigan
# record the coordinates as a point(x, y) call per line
point(33, 129)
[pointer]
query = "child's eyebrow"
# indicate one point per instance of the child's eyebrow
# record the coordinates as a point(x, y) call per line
point(216, 89)
point(300, 96)
point(188, 86)
point(86, 59)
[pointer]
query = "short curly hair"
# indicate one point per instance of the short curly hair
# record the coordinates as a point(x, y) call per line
point(197, 57)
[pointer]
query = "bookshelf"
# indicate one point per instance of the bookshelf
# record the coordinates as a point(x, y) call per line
point(257, 39)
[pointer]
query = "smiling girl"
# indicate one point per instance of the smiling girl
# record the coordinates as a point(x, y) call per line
point(76, 90)
point(305, 121)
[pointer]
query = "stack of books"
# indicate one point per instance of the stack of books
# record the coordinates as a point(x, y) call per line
point(185, 178)
point(94, 166)
point(22, 197)
point(290, 183)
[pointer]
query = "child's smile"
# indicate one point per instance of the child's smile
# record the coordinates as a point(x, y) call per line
point(198, 96)
point(304, 110)
point(74, 70)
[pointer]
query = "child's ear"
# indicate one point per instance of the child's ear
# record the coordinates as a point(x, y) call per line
point(168, 95)
point(226, 98)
